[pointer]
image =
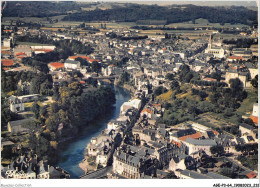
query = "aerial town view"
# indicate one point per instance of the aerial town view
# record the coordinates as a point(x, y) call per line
point(129, 90)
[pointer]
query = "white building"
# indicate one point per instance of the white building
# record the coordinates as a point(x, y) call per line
point(255, 110)
point(46, 47)
point(198, 127)
point(7, 43)
point(114, 124)
point(70, 64)
point(16, 104)
point(135, 103)
point(102, 159)
point(195, 145)
point(217, 51)
point(15, 174)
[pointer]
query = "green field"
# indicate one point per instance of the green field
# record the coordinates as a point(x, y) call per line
point(247, 105)
point(113, 25)
point(33, 19)
point(204, 23)
point(33, 44)
point(100, 6)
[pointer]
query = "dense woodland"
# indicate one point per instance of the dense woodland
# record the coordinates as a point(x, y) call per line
point(71, 110)
point(38, 8)
point(133, 13)
point(173, 14)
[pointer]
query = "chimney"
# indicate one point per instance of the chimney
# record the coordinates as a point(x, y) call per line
point(16, 168)
point(48, 168)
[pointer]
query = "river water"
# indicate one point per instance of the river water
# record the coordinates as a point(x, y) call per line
point(73, 152)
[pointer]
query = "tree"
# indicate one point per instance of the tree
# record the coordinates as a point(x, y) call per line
point(169, 76)
point(171, 175)
point(83, 62)
point(217, 150)
point(229, 172)
point(96, 67)
point(254, 82)
point(124, 78)
point(216, 75)
point(174, 84)
point(36, 109)
point(43, 111)
point(54, 108)
point(236, 84)
point(159, 90)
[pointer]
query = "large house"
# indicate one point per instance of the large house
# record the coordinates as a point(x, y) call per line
point(55, 66)
point(135, 103)
point(190, 174)
point(72, 64)
point(132, 162)
point(16, 104)
point(194, 145)
point(19, 126)
point(242, 76)
point(25, 168)
point(254, 115)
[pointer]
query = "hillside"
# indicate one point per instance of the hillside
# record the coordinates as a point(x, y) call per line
point(172, 14)
point(130, 12)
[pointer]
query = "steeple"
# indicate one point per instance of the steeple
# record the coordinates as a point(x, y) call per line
point(209, 45)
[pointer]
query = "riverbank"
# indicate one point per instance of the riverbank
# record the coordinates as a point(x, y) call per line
point(108, 139)
point(87, 165)
point(127, 87)
point(72, 153)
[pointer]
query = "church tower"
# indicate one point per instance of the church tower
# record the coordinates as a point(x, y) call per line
point(209, 44)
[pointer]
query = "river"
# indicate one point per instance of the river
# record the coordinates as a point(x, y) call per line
point(73, 152)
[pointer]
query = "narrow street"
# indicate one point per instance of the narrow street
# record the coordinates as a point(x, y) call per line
point(98, 174)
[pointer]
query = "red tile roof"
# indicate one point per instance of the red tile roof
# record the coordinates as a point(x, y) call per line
point(194, 136)
point(177, 143)
point(8, 30)
point(57, 65)
point(75, 57)
point(92, 60)
point(19, 53)
point(44, 50)
point(146, 110)
point(251, 175)
point(236, 57)
point(215, 132)
point(156, 104)
point(210, 79)
point(7, 62)
point(255, 119)
point(21, 56)
point(5, 52)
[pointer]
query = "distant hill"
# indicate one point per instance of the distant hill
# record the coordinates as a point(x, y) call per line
point(172, 13)
point(130, 12)
point(38, 8)
point(200, 3)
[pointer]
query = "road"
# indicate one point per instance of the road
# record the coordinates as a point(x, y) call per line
point(98, 174)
